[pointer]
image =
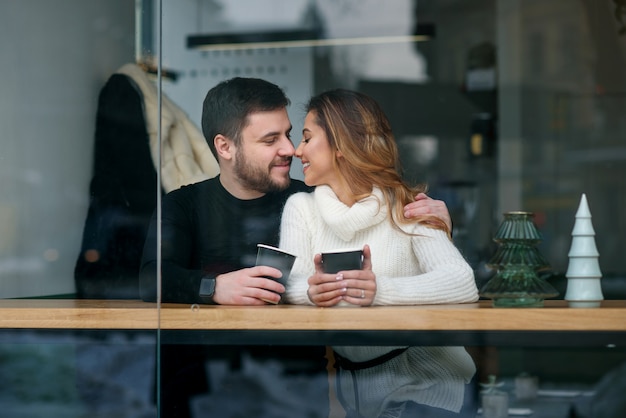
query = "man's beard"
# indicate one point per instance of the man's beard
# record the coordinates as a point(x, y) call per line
point(256, 178)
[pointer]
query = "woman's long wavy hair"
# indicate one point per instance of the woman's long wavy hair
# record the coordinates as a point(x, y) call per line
point(356, 125)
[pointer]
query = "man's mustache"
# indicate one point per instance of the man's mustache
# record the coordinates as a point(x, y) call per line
point(282, 161)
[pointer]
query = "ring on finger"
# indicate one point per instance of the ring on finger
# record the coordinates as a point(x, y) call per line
point(362, 294)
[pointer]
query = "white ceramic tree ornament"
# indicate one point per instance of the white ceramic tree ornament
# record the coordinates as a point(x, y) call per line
point(583, 272)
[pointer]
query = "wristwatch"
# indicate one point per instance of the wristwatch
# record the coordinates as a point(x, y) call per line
point(207, 289)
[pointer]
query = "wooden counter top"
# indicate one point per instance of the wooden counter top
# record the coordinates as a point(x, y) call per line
point(124, 314)
point(554, 316)
point(77, 314)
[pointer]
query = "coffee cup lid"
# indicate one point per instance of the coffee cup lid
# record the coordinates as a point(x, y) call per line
point(342, 250)
point(269, 247)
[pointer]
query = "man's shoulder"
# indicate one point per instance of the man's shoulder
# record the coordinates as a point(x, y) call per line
point(191, 194)
point(194, 188)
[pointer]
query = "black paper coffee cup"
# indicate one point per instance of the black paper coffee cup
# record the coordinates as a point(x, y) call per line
point(334, 261)
point(277, 258)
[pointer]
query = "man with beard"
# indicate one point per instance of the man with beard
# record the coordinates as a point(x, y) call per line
point(210, 230)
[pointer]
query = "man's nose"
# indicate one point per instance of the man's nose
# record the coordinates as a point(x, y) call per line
point(286, 147)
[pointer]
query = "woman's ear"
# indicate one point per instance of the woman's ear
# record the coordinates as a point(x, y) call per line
point(223, 146)
point(338, 154)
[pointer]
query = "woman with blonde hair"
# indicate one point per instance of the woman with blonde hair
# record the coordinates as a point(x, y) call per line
point(349, 153)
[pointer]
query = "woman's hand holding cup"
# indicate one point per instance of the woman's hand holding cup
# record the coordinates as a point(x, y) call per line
point(343, 275)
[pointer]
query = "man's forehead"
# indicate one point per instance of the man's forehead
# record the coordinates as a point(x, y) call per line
point(268, 122)
point(267, 114)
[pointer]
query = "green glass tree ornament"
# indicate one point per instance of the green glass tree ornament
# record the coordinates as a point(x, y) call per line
point(517, 261)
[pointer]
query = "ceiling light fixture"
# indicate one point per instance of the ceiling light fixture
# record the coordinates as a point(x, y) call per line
point(296, 39)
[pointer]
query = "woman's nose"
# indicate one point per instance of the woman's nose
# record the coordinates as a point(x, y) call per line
point(298, 152)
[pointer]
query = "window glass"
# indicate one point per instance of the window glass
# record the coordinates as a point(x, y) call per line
point(76, 199)
point(497, 105)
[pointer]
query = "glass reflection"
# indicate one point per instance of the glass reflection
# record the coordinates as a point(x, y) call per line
point(64, 233)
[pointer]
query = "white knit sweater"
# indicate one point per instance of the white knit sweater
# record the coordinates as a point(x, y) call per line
point(424, 268)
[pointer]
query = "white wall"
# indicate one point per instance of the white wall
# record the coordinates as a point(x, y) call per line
point(56, 55)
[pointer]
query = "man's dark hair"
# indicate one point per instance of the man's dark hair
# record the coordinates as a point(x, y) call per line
point(226, 106)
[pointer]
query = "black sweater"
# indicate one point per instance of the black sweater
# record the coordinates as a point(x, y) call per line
point(206, 232)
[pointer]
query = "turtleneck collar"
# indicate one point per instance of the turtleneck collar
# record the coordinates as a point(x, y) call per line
point(346, 221)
